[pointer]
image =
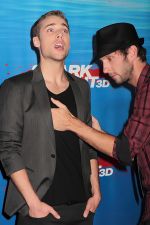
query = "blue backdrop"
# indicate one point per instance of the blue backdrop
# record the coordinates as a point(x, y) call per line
point(109, 104)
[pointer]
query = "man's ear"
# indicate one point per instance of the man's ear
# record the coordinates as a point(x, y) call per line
point(132, 52)
point(36, 42)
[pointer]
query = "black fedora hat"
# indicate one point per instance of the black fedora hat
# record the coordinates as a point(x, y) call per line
point(115, 37)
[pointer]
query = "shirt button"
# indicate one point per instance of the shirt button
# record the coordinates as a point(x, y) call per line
point(53, 155)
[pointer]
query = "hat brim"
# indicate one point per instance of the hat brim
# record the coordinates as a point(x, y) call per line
point(112, 47)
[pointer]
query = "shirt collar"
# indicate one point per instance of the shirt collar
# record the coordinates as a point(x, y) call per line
point(143, 76)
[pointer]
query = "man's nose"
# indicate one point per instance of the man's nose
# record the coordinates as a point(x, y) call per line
point(60, 34)
point(106, 69)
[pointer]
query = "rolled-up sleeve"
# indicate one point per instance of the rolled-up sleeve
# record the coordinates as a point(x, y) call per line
point(11, 127)
point(138, 127)
point(136, 134)
point(121, 150)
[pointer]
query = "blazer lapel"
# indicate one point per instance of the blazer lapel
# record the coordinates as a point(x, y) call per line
point(43, 101)
point(78, 97)
point(79, 103)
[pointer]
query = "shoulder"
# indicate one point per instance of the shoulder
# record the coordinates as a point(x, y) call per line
point(146, 74)
point(143, 87)
point(16, 83)
point(21, 78)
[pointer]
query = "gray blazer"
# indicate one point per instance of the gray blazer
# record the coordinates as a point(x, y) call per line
point(27, 136)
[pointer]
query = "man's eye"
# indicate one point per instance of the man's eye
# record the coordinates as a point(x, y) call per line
point(50, 30)
point(109, 59)
point(100, 62)
point(66, 31)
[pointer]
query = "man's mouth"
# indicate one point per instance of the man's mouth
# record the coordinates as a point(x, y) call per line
point(59, 46)
point(112, 75)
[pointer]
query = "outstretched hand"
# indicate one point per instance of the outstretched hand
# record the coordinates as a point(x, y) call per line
point(61, 116)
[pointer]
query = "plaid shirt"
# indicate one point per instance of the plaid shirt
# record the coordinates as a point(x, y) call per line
point(137, 132)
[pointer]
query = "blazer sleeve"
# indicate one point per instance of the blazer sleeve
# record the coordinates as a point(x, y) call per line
point(11, 126)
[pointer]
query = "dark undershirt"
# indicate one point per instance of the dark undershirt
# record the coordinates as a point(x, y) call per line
point(67, 186)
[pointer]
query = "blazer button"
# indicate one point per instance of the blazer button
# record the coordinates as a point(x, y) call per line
point(53, 155)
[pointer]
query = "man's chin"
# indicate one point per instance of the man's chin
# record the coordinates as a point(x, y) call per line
point(116, 80)
point(61, 58)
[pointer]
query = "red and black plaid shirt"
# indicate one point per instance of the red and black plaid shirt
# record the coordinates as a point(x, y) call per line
point(137, 132)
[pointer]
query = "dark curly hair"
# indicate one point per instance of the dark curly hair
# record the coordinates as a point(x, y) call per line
point(141, 52)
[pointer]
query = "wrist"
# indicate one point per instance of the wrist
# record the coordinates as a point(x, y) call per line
point(97, 196)
point(96, 193)
point(75, 125)
point(33, 202)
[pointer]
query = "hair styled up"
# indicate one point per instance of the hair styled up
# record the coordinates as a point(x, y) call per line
point(35, 29)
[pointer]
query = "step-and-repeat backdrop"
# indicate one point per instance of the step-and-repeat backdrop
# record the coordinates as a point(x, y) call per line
point(120, 204)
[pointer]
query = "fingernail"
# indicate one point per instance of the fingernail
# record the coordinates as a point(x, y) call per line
point(58, 217)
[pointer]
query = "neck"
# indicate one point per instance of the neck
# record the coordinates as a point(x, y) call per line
point(53, 71)
point(137, 69)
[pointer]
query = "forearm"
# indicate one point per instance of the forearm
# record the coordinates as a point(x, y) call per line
point(94, 200)
point(37, 208)
point(64, 120)
point(95, 178)
point(103, 142)
point(23, 184)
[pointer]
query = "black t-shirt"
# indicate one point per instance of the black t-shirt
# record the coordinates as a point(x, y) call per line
point(67, 186)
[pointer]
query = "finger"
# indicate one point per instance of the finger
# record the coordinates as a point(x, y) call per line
point(95, 124)
point(58, 103)
point(94, 120)
point(93, 210)
point(54, 213)
point(86, 212)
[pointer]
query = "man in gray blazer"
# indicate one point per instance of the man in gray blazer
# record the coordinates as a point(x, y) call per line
point(53, 178)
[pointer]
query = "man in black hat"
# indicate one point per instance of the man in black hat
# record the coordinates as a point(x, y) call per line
point(124, 59)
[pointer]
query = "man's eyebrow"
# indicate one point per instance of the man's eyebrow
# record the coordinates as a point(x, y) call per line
point(53, 24)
